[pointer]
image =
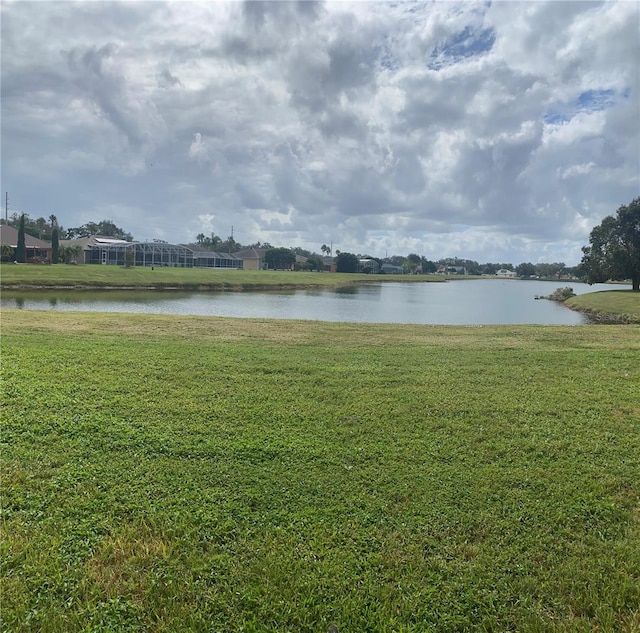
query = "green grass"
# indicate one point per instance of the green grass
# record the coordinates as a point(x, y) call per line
point(97, 276)
point(613, 306)
point(203, 474)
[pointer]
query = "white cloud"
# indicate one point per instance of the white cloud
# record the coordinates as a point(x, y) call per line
point(499, 131)
point(198, 149)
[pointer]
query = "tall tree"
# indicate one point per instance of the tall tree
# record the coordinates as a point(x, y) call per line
point(280, 258)
point(21, 248)
point(428, 266)
point(526, 269)
point(314, 262)
point(55, 246)
point(227, 246)
point(550, 271)
point(614, 251)
point(105, 228)
point(41, 224)
point(347, 263)
point(413, 260)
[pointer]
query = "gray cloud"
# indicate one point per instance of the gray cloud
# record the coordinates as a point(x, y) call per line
point(499, 131)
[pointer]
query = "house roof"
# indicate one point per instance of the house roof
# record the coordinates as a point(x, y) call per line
point(212, 255)
point(251, 253)
point(9, 235)
point(95, 240)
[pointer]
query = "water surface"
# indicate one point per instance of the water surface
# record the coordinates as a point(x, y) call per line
point(460, 302)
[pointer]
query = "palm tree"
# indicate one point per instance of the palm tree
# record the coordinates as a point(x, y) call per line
point(6, 252)
point(41, 223)
point(76, 251)
point(231, 244)
point(67, 254)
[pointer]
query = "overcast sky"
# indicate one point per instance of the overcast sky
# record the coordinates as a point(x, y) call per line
point(494, 131)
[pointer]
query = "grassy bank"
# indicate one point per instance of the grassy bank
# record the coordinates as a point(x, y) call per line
point(609, 306)
point(201, 474)
point(95, 276)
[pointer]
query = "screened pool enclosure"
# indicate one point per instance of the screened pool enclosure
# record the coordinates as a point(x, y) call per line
point(121, 253)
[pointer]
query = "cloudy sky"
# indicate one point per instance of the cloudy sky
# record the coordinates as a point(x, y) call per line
point(495, 131)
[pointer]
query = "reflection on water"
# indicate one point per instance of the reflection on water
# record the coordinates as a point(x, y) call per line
point(463, 302)
point(354, 290)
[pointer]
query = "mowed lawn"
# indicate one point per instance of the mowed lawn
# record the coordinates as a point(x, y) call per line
point(609, 305)
point(96, 276)
point(204, 474)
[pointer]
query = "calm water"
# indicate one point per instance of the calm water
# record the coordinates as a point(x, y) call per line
point(464, 302)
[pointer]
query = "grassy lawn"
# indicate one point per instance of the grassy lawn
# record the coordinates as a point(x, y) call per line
point(609, 305)
point(202, 474)
point(96, 276)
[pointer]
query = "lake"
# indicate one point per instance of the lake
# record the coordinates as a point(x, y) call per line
point(459, 302)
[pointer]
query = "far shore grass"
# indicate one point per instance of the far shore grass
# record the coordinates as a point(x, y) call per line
point(608, 306)
point(165, 473)
point(97, 276)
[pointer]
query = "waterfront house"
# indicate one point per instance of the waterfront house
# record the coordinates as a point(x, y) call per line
point(36, 250)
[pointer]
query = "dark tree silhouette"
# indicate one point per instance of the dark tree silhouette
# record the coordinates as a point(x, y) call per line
point(55, 246)
point(21, 248)
point(614, 251)
point(347, 263)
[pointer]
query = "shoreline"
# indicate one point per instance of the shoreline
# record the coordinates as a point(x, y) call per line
point(173, 287)
point(605, 318)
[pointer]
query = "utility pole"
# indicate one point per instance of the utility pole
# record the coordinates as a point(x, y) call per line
point(6, 207)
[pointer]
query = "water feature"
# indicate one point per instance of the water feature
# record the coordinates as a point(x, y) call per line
point(460, 302)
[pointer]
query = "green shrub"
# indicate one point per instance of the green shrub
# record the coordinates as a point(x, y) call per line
point(561, 294)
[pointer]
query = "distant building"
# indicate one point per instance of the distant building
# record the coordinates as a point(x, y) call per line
point(36, 250)
point(252, 258)
point(444, 269)
point(329, 264)
point(391, 269)
point(209, 259)
point(367, 265)
point(98, 249)
point(505, 272)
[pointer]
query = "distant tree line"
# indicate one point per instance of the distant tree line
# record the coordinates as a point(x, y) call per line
point(41, 228)
point(281, 257)
point(44, 229)
point(613, 252)
point(417, 264)
point(106, 228)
